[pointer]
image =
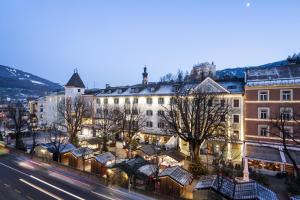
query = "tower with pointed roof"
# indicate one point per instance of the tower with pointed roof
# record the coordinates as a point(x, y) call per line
point(75, 86)
point(145, 76)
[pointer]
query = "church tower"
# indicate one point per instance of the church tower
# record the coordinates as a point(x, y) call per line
point(75, 86)
point(145, 76)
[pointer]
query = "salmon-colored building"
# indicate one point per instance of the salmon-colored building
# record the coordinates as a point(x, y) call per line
point(271, 93)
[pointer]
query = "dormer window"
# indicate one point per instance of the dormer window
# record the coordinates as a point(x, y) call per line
point(109, 91)
point(152, 89)
point(119, 91)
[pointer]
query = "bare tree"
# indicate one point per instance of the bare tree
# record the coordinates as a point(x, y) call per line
point(107, 123)
point(74, 111)
point(133, 121)
point(32, 128)
point(17, 113)
point(58, 142)
point(196, 116)
point(286, 126)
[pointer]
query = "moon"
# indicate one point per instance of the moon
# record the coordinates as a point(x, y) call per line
point(248, 4)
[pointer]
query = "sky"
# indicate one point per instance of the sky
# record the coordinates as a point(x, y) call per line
point(111, 41)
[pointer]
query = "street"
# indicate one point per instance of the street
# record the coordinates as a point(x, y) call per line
point(22, 178)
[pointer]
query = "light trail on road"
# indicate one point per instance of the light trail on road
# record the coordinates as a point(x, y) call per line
point(41, 189)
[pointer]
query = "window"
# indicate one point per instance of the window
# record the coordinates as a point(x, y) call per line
point(236, 134)
point(116, 100)
point(288, 131)
point(41, 109)
point(135, 111)
point(172, 100)
point(210, 102)
point(236, 119)
point(127, 111)
point(286, 113)
point(149, 112)
point(263, 95)
point(222, 119)
point(286, 95)
point(160, 113)
point(161, 125)
point(135, 100)
point(127, 100)
point(149, 124)
point(78, 90)
point(263, 113)
point(160, 100)
point(222, 102)
point(263, 130)
point(98, 110)
point(149, 100)
point(236, 103)
point(98, 101)
point(105, 101)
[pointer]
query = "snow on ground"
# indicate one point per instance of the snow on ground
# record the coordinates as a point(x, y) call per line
point(37, 82)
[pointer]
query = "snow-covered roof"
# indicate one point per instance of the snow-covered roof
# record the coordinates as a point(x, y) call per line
point(273, 75)
point(63, 148)
point(148, 149)
point(82, 151)
point(234, 190)
point(178, 174)
point(163, 89)
point(105, 157)
point(148, 170)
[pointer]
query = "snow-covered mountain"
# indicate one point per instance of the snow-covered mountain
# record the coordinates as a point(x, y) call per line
point(16, 84)
point(239, 72)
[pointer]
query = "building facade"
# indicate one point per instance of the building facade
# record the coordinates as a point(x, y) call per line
point(272, 96)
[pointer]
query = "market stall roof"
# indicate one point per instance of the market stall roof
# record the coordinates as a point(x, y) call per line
point(178, 174)
point(131, 166)
point(63, 148)
point(93, 141)
point(105, 157)
point(148, 149)
point(265, 153)
point(175, 154)
point(148, 169)
point(234, 190)
point(82, 151)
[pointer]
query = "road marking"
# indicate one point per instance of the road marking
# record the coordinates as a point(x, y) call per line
point(41, 189)
point(17, 191)
point(13, 169)
point(102, 195)
point(29, 197)
point(6, 185)
point(73, 195)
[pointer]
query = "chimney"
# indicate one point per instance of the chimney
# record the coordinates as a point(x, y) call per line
point(145, 76)
point(107, 85)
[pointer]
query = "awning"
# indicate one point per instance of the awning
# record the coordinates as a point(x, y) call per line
point(264, 153)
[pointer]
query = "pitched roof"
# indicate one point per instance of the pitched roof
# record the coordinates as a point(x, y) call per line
point(75, 81)
point(233, 190)
point(63, 148)
point(82, 151)
point(148, 149)
point(176, 155)
point(178, 174)
point(105, 157)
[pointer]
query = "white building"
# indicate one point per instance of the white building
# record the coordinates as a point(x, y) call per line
point(153, 98)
